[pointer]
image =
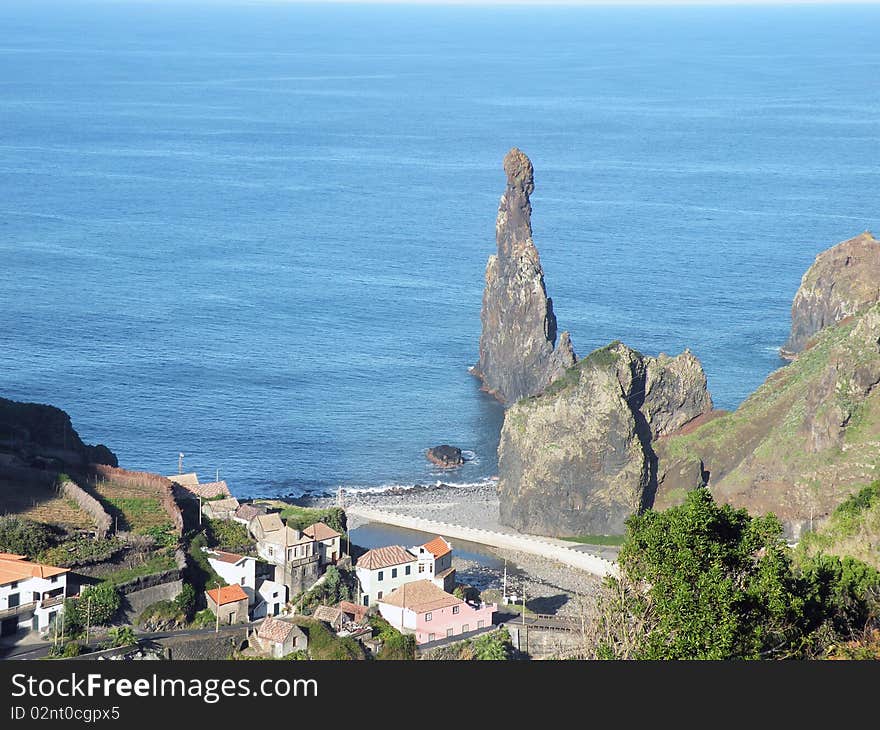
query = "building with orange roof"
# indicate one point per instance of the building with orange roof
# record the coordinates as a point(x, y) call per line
point(31, 594)
point(435, 562)
point(229, 603)
point(430, 613)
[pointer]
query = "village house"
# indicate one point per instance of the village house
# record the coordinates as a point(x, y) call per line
point(265, 597)
point(187, 486)
point(31, 594)
point(246, 512)
point(430, 613)
point(353, 612)
point(234, 569)
point(230, 603)
point(435, 563)
point(269, 599)
point(220, 509)
point(294, 555)
point(333, 617)
point(329, 542)
point(381, 570)
point(279, 638)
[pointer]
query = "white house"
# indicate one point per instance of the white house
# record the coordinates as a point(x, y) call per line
point(435, 563)
point(235, 570)
point(270, 599)
point(272, 546)
point(329, 542)
point(383, 569)
point(31, 595)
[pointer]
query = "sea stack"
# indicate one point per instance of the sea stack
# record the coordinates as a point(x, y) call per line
point(843, 281)
point(519, 353)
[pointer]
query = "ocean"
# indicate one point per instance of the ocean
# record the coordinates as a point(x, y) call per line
point(256, 233)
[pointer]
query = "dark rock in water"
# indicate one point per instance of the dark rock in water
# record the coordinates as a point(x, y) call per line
point(519, 354)
point(445, 455)
point(843, 281)
point(579, 458)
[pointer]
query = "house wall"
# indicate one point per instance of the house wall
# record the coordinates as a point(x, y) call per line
point(25, 590)
point(244, 573)
point(238, 611)
point(371, 585)
point(399, 618)
point(267, 600)
point(329, 547)
point(444, 620)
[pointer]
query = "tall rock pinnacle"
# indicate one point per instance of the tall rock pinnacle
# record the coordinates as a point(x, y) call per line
point(519, 354)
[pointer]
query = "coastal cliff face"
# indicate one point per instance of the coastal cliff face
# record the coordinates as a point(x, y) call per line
point(844, 280)
point(578, 459)
point(33, 433)
point(801, 443)
point(519, 353)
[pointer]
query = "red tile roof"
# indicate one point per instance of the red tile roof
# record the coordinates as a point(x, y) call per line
point(438, 547)
point(15, 568)
point(320, 531)
point(385, 557)
point(420, 596)
point(359, 612)
point(207, 490)
point(228, 594)
point(225, 557)
point(277, 630)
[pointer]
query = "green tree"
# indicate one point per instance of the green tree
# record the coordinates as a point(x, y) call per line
point(121, 636)
point(703, 581)
point(494, 646)
point(186, 601)
point(105, 602)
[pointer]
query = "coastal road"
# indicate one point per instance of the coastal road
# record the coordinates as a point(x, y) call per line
point(567, 553)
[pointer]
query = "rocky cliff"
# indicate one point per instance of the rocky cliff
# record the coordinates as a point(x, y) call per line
point(35, 434)
point(578, 458)
point(519, 353)
point(843, 281)
point(801, 443)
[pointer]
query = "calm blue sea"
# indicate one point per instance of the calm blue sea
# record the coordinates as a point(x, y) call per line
point(257, 233)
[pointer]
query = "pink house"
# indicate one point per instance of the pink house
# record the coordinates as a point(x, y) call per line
point(423, 609)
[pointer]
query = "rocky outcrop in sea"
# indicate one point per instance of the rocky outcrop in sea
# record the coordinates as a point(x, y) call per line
point(579, 459)
point(843, 281)
point(519, 352)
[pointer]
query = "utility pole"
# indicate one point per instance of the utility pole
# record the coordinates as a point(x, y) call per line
point(180, 462)
point(88, 618)
point(200, 510)
point(217, 612)
point(504, 585)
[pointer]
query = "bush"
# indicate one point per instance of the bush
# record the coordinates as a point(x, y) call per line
point(325, 645)
point(203, 619)
point(71, 649)
point(104, 603)
point(185, 601)
point(395, 645)
point(24, 537)
point(494, 646)
point(228, 535)
point(120, 636)
point(298, 518)
point(161, 613)
point(81, 551)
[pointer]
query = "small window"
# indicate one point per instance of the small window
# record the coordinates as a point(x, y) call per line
point(408, 569)
point(448, 633)
point(14, 584)
point(275, 594)
point(379, 596)
point(421, 568)
point(366, 600)
point(54, 579)
point(465, 628)
point(428, 616)
point(430, 637)
point(455, 609)
point(480, 624)
point(381, 575)
point(271, 552)
point(244, 581)
point(394, 572)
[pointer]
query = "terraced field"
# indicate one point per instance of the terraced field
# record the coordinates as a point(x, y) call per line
point(41, 503)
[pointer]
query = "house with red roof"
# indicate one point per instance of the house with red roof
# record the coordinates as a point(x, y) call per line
point(230, 603)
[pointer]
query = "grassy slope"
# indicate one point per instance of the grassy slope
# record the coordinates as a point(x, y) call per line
point(41, 503)
point(757, 455)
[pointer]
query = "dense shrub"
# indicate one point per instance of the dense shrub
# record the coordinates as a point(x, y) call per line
point(24, 537)
point(228, 535)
